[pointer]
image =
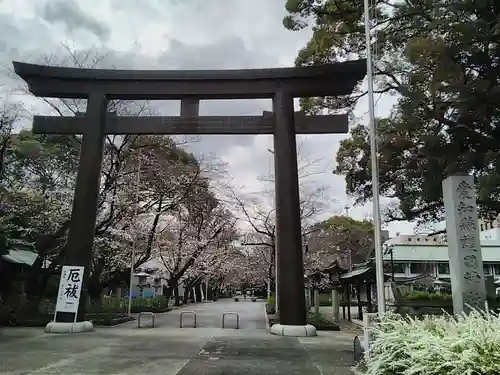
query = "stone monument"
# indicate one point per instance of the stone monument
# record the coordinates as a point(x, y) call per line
point(464, 246)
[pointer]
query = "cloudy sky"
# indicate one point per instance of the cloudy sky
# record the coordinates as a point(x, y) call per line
point(180, 34)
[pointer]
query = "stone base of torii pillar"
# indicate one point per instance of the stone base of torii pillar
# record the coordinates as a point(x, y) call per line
point(62, 327)
point(293, 331)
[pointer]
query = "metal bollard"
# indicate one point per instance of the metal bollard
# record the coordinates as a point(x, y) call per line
point(231, 313)
point(146, 313)
point(187, 312)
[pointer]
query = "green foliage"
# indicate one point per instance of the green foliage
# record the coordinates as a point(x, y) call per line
point(426, 296)
point(434, 345)
point(442, 60)
point(318, 320)
point(27, 214)
point(120, 305)
point(271, 301)
point(43, 162)
point(339, 236)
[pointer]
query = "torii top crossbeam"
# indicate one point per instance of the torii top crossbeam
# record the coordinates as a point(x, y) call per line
point(311, 81)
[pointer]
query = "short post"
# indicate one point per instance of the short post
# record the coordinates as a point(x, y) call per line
point(464, 247)
point(187, 312)
point(367, 336)
point(141, 314)
point(335, 305)
point(231, 313)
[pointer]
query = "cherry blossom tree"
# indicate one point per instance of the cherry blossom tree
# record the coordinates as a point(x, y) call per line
point(192, 232)
point(10, 114)
point(256, 211)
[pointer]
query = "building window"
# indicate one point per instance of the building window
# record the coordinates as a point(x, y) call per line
point(443, 268)
point(399, 267)
point(417, 267)
point(486, 269)
point(496, 269)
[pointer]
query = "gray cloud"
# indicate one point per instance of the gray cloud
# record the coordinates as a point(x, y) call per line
point(72, 16)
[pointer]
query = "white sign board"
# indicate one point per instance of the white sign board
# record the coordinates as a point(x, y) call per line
point(70, 287)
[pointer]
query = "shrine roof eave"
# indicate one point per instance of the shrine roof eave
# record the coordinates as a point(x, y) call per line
point(317, 80)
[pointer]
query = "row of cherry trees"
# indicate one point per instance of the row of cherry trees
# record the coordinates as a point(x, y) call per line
point(325, 238)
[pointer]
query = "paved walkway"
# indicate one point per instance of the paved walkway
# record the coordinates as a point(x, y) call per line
point(209, 315)
point(168, 350)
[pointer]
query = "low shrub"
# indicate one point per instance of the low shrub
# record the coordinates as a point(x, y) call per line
point(120, 305)
point(108, 319)
point(317, 320)
point(321, 323)
point(270, 309)
point(434, 345)
point(426, 296)
point(271, 301)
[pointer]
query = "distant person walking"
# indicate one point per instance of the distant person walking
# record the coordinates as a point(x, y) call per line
point(244, 291)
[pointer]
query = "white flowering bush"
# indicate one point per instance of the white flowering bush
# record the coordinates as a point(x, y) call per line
point(434, 345)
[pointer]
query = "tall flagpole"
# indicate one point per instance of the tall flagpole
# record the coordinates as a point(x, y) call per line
point(379, 256)
point(134, 243)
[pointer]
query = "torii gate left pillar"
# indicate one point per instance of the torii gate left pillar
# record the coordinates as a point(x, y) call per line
point(84, 211)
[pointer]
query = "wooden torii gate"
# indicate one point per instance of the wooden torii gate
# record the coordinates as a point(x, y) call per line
point(281, 85)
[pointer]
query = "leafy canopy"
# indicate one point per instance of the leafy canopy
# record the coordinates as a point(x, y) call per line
point(441, 58)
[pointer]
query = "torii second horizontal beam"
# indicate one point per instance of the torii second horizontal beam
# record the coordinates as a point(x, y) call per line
point(321, 124)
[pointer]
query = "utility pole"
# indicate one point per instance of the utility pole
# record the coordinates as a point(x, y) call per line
point(134, 243)
point(379, 255)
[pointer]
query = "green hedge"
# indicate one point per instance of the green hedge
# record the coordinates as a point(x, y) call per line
point(426, 296)
point(317, 320)
point(321, 323)
point(120, 305)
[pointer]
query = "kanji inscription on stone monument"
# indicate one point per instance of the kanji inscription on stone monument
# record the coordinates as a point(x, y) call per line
point(464, 247)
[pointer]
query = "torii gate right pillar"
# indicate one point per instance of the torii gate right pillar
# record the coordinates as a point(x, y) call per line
point(291, 289)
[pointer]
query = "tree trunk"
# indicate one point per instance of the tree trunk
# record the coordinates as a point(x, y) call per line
point(186, 294)
point(95, 286)
point(177, 296)
point(38, 276)
point(197, 291)
point(167, 292)
point(316, 301)
point(151, 235)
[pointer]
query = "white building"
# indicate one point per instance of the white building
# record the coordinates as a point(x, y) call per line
point(414, 255)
